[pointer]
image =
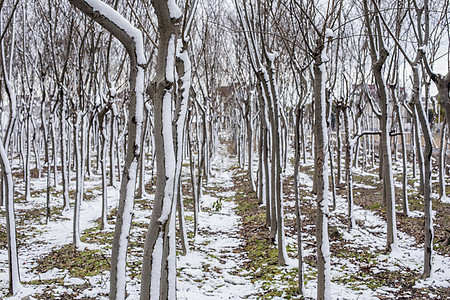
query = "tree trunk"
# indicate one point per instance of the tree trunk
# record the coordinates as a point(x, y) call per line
point(419, 111)
point(379, 55)
point(250, 142)
point(193, 183)
point(158, 280)
point(14, 277)
point(112, 143)
point(321, 176)
point(442, 152)
point(141, 180)
point(418, 149)
point(65, 163)
point(298, 214)
point(183, 68)
point(28, 156)
point(267, 180)
point(405, 203)
point(338, 140)
point(349, 173)
point(102, 158)
point(79, 179)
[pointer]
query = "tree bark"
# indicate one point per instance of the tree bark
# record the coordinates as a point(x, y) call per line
point(297, 202)
point(442, 152)
point(158, 280)
point(405, 167)
point(348, 167)
point(321, 176)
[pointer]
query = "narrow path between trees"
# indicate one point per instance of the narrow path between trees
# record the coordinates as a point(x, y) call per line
point(214, 267)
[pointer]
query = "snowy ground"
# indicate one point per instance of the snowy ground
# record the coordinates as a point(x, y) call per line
point(367, 242)
point(212, 270)
point(214, 267)
point(41, 238)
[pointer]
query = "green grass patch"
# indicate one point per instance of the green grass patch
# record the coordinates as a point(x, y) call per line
point(363, 256)
point(78, 263)
point(375, 206)
point(263, 257)
point(415, 200)
point(365, 277)
point(134, 268)
point(53, 281)
point(367, 180)
point(262, 253)
point(94, 235)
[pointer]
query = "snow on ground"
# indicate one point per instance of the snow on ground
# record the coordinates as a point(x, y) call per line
point(212, 270)
point(370, 234)
point(58, 232)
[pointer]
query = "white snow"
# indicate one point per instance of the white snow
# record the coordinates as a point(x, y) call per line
point(124, 24)
point(272, 55)
point(329, 33)
point(156, 266)
point(170, 67)
point(174, 10)
point(53, 235)
point(445, 199)
point(215, 245)
point(169, 155)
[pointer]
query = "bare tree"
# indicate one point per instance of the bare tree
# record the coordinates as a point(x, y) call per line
point(7, 179)
point(159, 265)
point(131, 39)
point(379, 54)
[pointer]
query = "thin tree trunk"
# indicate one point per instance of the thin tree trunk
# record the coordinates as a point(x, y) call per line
point(261, 196)
point(79, 185)
point(195, 200)
point(183, 68)
point(65, 163)
point(297, 204)
point(349, 173)
point(333, 181)
point(141, 180)
point(442, 152)
point(103, 137)
point(112, 143)
point(418, 150)
point(419, 111)
point(405, 168)
point(378, 59)
point(321, 179)
point(54, 151)
point(250, 142)
point(13, 262)
point(339, 147)
point(27, 164)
